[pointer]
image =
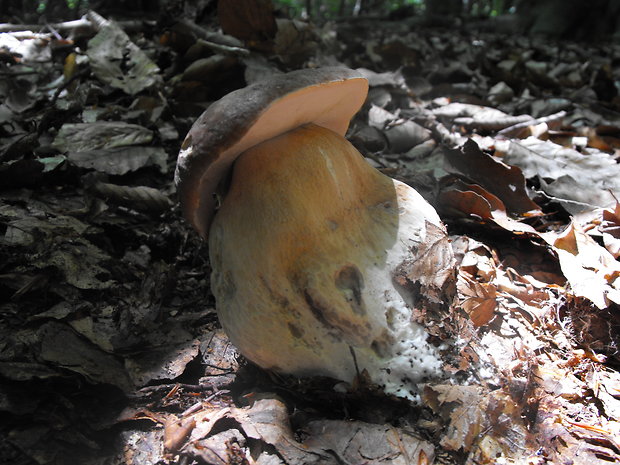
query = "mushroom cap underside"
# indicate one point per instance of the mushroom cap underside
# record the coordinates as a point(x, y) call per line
point(327, 97)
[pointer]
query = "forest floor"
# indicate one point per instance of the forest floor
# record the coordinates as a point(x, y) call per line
point(110, 347)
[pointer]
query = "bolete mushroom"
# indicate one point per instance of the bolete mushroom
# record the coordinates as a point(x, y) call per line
point(309, 240)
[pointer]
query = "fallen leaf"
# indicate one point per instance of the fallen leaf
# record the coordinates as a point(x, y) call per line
point(120, 160)
point(473, 201)
point(590, 269)
point(117, 61)
point(176, 432)
point(85, 137)
point(478, 421)
point(505, 182)
point(61, 346)
point(358, 442)
point(583, 180)
point(481, 299)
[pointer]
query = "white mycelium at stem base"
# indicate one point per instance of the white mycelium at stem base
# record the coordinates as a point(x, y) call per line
point(304, 251)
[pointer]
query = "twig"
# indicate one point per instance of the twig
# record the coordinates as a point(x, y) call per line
point(97, 20)
point(167, 387)
point(213, 37)
point(65, 84)
point(225, 49)
point(65, 26)
point(139, 198)
point(493, 124)
point(198, 405)
point(17, 73)
point(532, 122)
point(71, 26)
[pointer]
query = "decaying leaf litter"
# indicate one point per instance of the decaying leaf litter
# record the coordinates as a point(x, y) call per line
point(110, 344)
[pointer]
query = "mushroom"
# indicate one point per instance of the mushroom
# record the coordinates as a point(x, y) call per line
point(319, 262)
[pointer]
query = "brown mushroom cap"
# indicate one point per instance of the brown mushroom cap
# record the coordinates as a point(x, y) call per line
point(327, 97)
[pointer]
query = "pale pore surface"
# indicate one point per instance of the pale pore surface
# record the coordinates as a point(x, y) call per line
point(303, 251)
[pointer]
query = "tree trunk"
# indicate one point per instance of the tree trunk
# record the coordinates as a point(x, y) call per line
point(309, 8)
point(444, 7)
point(570, 18)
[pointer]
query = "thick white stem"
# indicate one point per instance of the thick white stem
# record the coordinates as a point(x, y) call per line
point(304, 251)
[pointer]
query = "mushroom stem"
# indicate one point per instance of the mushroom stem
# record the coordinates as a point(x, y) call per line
point(304, 251)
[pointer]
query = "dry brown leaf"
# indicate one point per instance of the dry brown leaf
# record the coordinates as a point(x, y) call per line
point(590, 269)
point(567, 427)
point(603, 224)
point(580, 181)
point(475, 201)
point(480, 422)
point(505, 182)
point(604, 138)
point(433, 267)
point(558, 382)
point(227, 447)
point(481, 310)
point(612, 215)
point(266, 422)
point(475, 258)
point(205, 420)
point(480, 299)
point(177, 431)
point(358, 442)
point(251, 20)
